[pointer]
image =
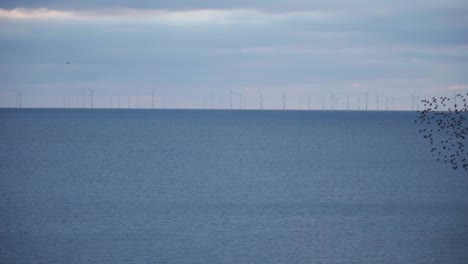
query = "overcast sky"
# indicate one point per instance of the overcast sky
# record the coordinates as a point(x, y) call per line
point(193, 53)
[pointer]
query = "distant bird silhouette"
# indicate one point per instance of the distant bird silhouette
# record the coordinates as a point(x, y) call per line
point(451, 126)
point(68, 62)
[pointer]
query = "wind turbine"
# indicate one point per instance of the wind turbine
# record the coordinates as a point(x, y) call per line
point(92, 98)
point(455, 101)
point(366, 94)
point(377, 102)
point(417, 103)
point(332, 99)
point(211, 100)
point(284, 100)
point(84, 98)
point(138, 99)
point(19, 99)
point(412, 102)
point(261, 101)
point(231, 93)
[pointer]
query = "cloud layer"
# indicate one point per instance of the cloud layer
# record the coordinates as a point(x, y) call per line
point(192, 51)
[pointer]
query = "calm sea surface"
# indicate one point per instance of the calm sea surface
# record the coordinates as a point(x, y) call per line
point(187, 186)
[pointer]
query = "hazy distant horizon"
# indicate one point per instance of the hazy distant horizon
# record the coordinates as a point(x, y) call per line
point(201, 108)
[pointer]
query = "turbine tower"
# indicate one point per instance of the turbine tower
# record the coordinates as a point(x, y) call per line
point(92, 98)
point(417, 103)
point(211, 100)
point(19, 99)
point(332, 94)
point(367, 97)
point(261, 101)
point(84, 98)
point(284, 100)
point(138, 99)
point(240, 101)
point(412, 102)
point(377, 103)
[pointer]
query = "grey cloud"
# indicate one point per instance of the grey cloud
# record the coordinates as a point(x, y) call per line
point(384, 6)
point(176, 5)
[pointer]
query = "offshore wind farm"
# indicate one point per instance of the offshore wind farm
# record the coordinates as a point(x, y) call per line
point(236, 101)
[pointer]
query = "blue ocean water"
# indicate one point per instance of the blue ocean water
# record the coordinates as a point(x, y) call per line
point(194, 186)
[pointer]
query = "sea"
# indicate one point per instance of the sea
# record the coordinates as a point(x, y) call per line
point(218, 186)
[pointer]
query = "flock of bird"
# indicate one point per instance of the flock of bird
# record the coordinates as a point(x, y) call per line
point(444, 122)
